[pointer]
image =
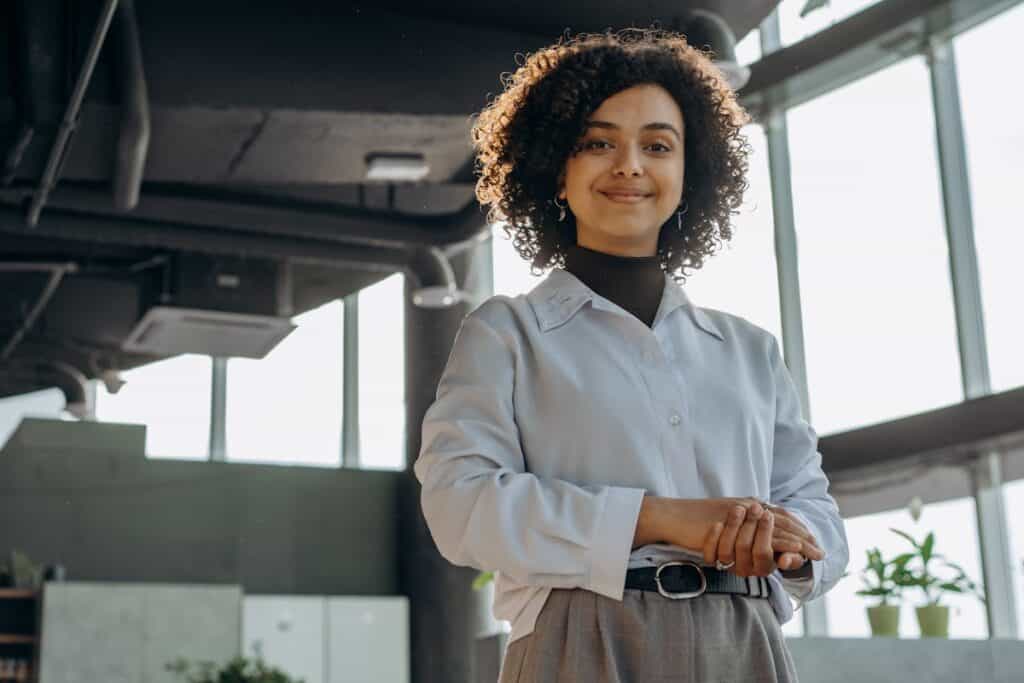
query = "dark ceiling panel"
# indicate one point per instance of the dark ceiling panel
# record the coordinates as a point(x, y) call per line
point(550, 18)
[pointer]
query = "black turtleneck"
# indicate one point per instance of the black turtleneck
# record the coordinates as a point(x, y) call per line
point(635, 283)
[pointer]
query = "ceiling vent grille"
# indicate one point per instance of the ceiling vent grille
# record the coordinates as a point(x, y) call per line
point(169, 331)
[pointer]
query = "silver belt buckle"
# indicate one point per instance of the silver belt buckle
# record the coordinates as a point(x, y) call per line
point(681, 596)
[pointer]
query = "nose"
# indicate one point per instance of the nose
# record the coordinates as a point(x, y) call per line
point(627, 163)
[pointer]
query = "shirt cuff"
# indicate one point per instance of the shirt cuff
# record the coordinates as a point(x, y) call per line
point(799, 582)
point(613, 540)
point(804, 585)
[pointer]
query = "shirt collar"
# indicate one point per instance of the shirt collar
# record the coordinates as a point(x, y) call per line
point(557, 298)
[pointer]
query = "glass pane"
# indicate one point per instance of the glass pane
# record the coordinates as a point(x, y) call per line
point(172, 398)
point(382, 374)
point(286, 408)
point(45, 403)
point(995, 156)
point(1014, 499)
point(748, 50)
point(741, 278)
point(955, 525)
point(794, 628)
point(879, 326)
point(794, 28)
point(511, 271)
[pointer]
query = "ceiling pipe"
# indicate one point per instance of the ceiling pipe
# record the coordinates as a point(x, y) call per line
point(133, 141)
point(39, 63)
point(434, 284)
point(429, 267)
point(238, 214)
point(70, 121)
point(57, 272)
point(707, 30)
point(25, 376)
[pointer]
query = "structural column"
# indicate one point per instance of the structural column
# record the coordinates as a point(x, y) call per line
point(986, 470)
point(446, 614)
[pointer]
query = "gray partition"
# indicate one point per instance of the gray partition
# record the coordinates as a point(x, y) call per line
point(127, 633)
point(84, 495)
point(897, 660)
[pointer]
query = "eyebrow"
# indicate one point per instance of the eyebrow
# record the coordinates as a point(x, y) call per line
point(657, 125)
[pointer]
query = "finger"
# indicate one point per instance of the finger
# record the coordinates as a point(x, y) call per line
point(711, 543)
point(727, 542)
point(744, 547)
point(784, 542)
point(789, 525)
point(789, 561)
point(754, 507)
point(786, 521)
point(763, 557)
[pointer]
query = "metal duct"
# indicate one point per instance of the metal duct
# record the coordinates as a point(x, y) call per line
point(133, 142)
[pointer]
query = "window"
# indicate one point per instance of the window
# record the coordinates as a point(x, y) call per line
point(172, 398)
point(879, 325)
point(1014, 499)
point(511, 271)
point(995, 155)
point(955, 525)
point(741, 277)
point(286, 408)
point(794, 28)
point(382, 374)
point(748, 50)
point(45, 403)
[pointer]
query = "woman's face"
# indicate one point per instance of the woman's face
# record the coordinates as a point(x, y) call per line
point(626, 179)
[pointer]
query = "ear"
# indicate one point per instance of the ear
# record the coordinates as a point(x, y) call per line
point(560, 184)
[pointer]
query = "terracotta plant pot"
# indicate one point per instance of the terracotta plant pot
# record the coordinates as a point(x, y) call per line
point(934, 621)
point(884, 620)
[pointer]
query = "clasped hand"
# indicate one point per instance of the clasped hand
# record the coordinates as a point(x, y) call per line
point(758, 540)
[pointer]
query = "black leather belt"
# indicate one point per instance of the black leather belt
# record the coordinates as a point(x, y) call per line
point(682, 580)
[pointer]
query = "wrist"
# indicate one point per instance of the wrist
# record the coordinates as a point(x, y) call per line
point(650, 526)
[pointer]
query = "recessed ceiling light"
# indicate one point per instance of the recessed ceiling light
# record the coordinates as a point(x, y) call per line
point(396, 166)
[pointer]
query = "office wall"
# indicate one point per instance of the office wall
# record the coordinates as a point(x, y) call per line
point(83, 494)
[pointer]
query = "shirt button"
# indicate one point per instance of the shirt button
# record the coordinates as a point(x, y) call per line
point(674, 420)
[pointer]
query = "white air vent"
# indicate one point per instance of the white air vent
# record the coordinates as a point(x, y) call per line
point(168, 331)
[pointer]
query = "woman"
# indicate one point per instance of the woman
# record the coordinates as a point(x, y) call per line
point(604, 446)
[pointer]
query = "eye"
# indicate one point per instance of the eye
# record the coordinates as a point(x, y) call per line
point(664, 147)
point(595, 144)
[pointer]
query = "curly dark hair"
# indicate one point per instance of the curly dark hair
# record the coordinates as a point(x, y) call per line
point(524, 137)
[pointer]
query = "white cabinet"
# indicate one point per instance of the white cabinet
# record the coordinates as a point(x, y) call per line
point(330, 639)
point(288, 632)
point(368, 639)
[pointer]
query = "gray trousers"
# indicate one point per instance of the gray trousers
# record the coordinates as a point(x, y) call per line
point(586, 637)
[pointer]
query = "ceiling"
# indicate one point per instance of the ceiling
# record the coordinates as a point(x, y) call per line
point(261, 116)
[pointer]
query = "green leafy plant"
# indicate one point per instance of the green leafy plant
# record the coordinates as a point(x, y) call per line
point(237, 670)
point(884, 579)
point(932, 584)
point(482, 579)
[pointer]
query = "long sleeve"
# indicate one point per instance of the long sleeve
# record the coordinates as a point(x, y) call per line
point(485, 510)
point(799, 485)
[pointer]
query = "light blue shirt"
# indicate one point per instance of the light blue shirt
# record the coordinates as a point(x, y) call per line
point(558, 410)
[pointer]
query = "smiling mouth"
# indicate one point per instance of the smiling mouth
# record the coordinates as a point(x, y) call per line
point(625, 197)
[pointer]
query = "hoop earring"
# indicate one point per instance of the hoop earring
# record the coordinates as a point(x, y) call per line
point(561, 209)
point(679, 214)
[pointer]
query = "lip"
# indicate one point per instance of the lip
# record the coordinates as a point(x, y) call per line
point(626, 197)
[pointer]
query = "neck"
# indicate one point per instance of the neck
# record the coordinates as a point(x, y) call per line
point(634, 283)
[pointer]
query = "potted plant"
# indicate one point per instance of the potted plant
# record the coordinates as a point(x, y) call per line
point(882, 579)
point(237, 670)
point(932, 617)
